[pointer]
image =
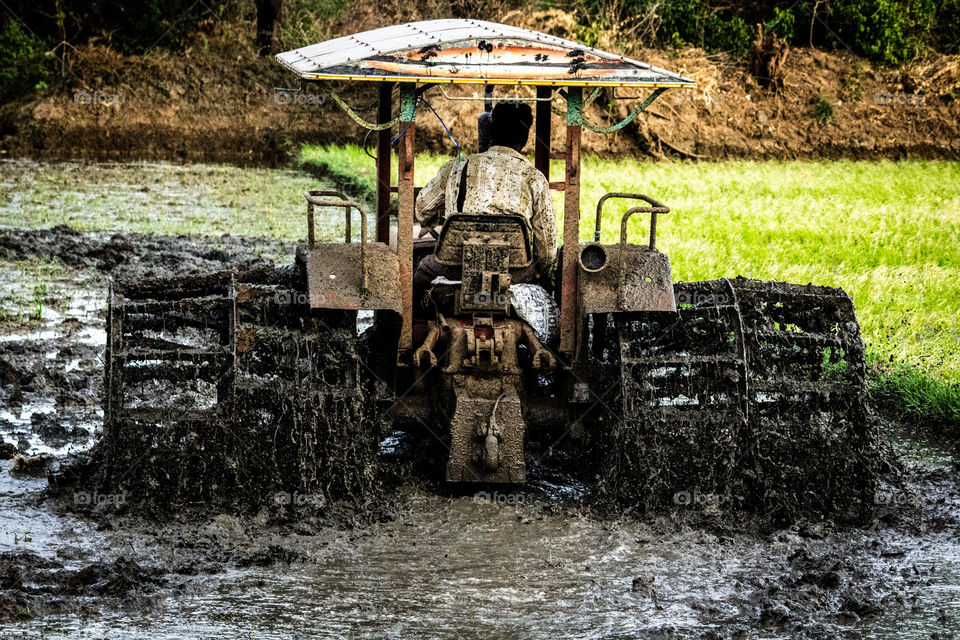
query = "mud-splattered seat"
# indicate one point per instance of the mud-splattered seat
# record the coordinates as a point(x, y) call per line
point(486, 248)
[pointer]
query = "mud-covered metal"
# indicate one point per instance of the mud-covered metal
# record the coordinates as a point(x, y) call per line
point(630, 278)
point(471, 51)
point(754, 391)
point(513, 230)
point(224, 389)
point(624, 277)
point(481, 381)
point(348, 275)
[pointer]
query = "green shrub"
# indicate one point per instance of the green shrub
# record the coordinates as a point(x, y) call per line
point(783, 23)
point(823, 111)
point(24, 62)
point(888, 31)
point(305, 21)
point(696, 22)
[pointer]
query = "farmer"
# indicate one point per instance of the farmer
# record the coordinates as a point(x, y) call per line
point(497, 181)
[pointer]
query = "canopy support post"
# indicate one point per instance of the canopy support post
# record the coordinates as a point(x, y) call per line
point(384, 115)
point(405, 206)
point(571, 226)
point(541, 143)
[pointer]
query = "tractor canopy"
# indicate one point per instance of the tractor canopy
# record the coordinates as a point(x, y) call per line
point(471, 51)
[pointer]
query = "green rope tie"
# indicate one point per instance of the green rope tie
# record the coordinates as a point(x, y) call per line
point(620, 125)
point(356, 118)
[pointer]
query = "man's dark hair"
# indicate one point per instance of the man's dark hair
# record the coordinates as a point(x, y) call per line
point(511, 124)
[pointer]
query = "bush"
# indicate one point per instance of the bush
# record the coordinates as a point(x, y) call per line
point(823, 111)
point(696, 22)
point(129, 26)
point(888, 31)
point(24, 62)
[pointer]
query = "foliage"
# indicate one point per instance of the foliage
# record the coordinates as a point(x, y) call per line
point(823, 111)
point(887, 31)
point(307, 21)
point(783, 23)
point(24, 61)
point(129, 26)
point(908, 394)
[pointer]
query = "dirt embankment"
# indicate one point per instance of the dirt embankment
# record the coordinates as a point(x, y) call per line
point(205, 107)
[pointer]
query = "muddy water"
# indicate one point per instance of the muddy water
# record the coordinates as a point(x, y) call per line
point(526, 564)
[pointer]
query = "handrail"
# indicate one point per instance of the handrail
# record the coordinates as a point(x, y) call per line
point(657, 208)
point(321, 199)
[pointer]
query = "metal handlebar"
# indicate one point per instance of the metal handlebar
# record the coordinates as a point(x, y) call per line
point(322, 199)
point(653, 210)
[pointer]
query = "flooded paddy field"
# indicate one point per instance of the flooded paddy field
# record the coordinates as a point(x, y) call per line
point(511, 563)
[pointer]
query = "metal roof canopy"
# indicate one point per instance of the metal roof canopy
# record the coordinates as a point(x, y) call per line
point(471, 52)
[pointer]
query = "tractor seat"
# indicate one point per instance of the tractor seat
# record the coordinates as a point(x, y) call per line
point(512, 229)
point(485, 249)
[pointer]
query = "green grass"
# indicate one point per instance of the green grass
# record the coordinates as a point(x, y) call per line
point(887, 233)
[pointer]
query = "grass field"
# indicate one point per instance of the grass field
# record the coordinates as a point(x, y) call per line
point(888, 233)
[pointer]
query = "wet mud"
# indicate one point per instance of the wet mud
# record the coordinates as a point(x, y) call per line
point(527, 562)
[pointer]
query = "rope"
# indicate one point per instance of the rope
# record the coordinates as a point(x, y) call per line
point(614, 127)
point(586, 103)
point(356, 118)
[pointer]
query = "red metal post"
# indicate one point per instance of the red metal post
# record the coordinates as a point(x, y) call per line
point(541, 143)
point(405, 203)
point(384, 114)
point(571, 227)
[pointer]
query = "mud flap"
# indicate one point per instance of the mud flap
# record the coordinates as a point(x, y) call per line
point(486, 433)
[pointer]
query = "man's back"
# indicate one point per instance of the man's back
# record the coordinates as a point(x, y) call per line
point(498, 181)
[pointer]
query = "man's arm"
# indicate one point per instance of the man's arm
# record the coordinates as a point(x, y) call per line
point(543, 223)
point(431, 200)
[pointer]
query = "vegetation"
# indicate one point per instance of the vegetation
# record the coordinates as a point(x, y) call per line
point(24, 63)
point(886, 31)
point(823, 111)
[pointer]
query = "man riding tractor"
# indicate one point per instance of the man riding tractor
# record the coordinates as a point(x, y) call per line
point(499, 180)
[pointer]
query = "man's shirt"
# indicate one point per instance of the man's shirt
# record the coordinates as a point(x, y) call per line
point(499, 180)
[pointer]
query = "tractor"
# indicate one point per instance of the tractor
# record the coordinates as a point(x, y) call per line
point(319, 361)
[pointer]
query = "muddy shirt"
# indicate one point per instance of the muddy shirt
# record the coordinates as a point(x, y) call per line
point(499, 180)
